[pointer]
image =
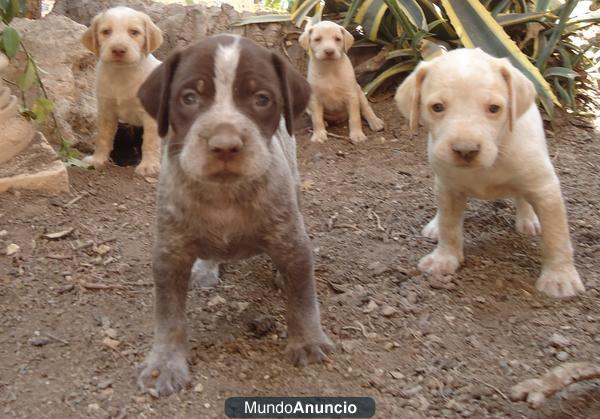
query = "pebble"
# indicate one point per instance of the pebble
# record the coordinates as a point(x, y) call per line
point(370, 307)
point(216, 300)
point(378, 268)
point(199, 388)
point(3, 233)
point(562, 356)
point(262, 325)
point(412, 297)
point(12, 248)
point(39, 340)
point(388, 311)
point(105, 384)
point(559, 341)
point(111, 333)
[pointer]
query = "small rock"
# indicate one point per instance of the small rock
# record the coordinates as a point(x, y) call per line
point(378, 268)
point(388, 311)
point(12, 248)
point(199, 388)
point(111, 343)
point(39, 340)
point(153, 393)
point(3, 233)
point(111, 333)
point(479, 299)
point(93, 407)
point(411, 297)
point(242, 305)
point(397, 375)
point(216, 300)
point(102, 249)
point(370, 307)
point(562, 356)
point(559, 341)
point(105, 384)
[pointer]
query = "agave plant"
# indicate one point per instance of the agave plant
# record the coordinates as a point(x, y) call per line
point(535, 35)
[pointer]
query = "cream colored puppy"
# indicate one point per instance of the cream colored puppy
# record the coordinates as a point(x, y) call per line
point(123, 39)
point(336, 95)
point(486, 140)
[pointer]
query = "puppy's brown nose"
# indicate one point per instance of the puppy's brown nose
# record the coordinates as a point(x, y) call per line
point(329, 52)
point(225, 144)
point(466, 152)
point(119, 51)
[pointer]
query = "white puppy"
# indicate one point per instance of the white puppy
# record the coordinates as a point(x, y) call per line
point(336, 94)
point(486, 140)
point(123, 39)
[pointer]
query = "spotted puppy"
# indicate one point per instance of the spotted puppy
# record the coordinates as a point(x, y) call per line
point(486, 141)
point(228, 189)
point(336, 96)
point(123, 39)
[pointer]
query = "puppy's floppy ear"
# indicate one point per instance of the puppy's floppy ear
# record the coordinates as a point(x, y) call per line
point(347, 37)
point(154, 38)
point(521, 92)
point(408, 95)
point(155, 92)
point(295, 90)
point(304, 39)
point(90, 36)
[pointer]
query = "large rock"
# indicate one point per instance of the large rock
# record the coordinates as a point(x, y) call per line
point(67, 71)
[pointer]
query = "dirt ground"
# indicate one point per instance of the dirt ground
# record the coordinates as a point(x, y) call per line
point(419, 347)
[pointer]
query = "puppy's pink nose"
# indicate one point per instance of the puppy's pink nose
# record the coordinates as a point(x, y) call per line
point(329, 52)
point(225, 146)
point(119, 51)
point(466, 152)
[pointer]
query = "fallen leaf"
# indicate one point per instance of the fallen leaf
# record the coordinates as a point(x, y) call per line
point(58, 234)
point(111, 343)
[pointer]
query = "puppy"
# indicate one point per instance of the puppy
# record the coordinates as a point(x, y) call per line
point(228, 189)
point(486, 140)
point(336, 95)
point(123, 39)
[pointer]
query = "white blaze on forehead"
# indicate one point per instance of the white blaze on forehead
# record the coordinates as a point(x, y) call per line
point(227, 58)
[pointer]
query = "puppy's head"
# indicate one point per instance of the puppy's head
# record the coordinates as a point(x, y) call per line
point(122, 35)
point(326, 40)
point(221, 101)
point(467, 100)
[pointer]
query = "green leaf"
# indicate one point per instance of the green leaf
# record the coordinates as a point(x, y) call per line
point(509, 19)
point(410, 9)
point(476, 27)
point(300, 13)
point(41, 108)
point(26, 80)
point(403, 67)
point(556, 34)
point(271, 18)
point(560, 72)
point(10, 41)
point(351, 12)
point(370, 15)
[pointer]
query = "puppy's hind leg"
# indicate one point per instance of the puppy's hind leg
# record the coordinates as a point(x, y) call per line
point(205, 274)
point(307, 341)
point(526, 220)
point(374, 122)
point(165, 369)
point(559, 278)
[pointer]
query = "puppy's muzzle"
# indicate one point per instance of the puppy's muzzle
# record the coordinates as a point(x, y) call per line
point(226, 143)
point(119, 51)
point(329, 52)
point(465, 152)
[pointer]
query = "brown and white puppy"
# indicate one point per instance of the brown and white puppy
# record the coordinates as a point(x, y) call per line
point(486, 141)
point(123, 39)
point(228, 189)
point(335, 93)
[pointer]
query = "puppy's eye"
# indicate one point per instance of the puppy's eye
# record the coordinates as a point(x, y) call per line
point(437, 107)
point(134, 32)
point(317, 39)
point(338, 39)
point(262, 99)
point(494, 108)
point(190, 98)
point(106, 32)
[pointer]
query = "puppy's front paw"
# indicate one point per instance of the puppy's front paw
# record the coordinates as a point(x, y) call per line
point(440, 263)
point(357, 137)
point(164, 372)
point(560, 282)
point(96, 160)
point(529, 225)
point(431, 229)
point(148, 167)
point(319, 136)
point(376, 124)
point(302, 352)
